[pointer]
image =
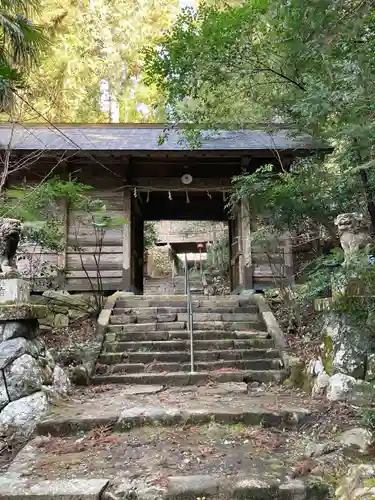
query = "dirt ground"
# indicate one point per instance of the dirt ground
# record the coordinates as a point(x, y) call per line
point(211, 449)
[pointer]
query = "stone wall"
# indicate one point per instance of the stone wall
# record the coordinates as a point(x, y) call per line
point(159, 261)
point(190, 231)
point(29, 377)
point(339, 368)
point(64, 309)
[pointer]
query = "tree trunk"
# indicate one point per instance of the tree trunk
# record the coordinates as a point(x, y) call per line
point(369, 199)
point(367, 188)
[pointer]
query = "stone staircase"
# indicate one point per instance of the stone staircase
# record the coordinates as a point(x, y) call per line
point(158, 286)
point(195, 282)
point(147, 341)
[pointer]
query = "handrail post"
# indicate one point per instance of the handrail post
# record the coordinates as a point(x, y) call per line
point(186, 275)
point(189, 309)
point(173, 273)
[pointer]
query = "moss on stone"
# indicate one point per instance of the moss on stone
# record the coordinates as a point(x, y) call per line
point(9, 312)
point(328, 354)
point(370, 482)
point(297, 373)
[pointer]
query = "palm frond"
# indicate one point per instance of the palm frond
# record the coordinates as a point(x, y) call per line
point(21, 42)
point(10, 79)
point(19, 6)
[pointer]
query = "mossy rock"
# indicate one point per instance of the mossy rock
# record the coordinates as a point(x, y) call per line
point(297, 373)
point(12, 312)
point(328, 354)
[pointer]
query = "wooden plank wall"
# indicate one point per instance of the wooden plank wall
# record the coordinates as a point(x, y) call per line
point(269, 269)
point(81, 233)
point(39, 266)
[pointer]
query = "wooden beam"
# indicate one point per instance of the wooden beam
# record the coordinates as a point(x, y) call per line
point(174, 183)
point(127, 243)
point(247, 275)
point(62, 255)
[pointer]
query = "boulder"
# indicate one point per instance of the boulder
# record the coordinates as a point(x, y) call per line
point(358, 438)
point(58, 295)
point(49, 320)
point(61, 383)
point(296, 371)
point(23, 377)
point(359, 482)
point(315, 450)
point(10, 350)
point(80, 375)
point(61, 321)
point(13, 329)
point(344, 347)
point(46, 371)
point(4, 400)
point(78, 314)
point(19, 418)
point(364, 393)
point(340, 387)
point(315, 367)
point(63, 299)
point(320, 384)
point(50, 359)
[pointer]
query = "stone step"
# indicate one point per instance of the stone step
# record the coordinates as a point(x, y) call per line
point(182, 378)
point(19, 488)
point(233, 298)
point(142, 317)
point(126, 407)
point(142, 311)
point(226, 317)
point(256, 484)
point(256, 324)
point(128, 326)
point(117, 333)
point(251, 364)
point(150, 315)
point(180, 301)
point(146, 326)
point(183, 345)
point(178, 356)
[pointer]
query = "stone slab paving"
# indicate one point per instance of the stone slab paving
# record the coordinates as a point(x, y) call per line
point(217, 461)
point(139, 405)
point(14, 488)
point(216, 441)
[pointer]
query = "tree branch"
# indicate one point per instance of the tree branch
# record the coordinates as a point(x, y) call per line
point(281, 75)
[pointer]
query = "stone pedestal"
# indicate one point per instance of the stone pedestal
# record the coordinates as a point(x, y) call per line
point(14, 290)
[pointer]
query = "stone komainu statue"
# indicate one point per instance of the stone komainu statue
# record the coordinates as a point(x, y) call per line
point(10, 233)
point(353, 230)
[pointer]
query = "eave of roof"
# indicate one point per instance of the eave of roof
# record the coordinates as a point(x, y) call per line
point(145, 137)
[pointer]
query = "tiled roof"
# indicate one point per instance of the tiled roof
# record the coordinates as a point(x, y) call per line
point(142, 138)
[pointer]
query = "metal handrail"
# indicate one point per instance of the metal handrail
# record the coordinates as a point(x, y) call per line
point(189, 308)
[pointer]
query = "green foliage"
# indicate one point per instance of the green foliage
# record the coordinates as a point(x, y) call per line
point(20, 43)
point(368, 418)
point(353, 292)
point(307, 65)
point(218, 254)
point(94, 42)
point(266, 57)
point(150, 234)
point(39, 208)
point(312, 192)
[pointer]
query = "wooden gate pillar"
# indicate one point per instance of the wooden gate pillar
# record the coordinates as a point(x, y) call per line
point(127, 243)
point(246, 268)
